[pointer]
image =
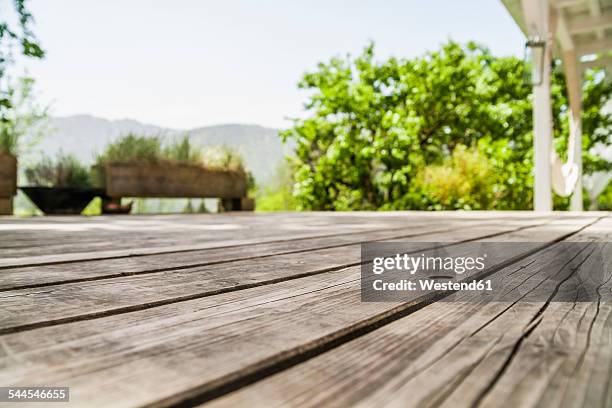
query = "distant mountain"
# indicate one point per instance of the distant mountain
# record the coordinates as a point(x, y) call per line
point(85, 136)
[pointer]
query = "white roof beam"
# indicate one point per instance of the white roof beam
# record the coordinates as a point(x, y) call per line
point(568, 3)
point(595, 47)
point(563, 34)
point(595, 8)
point(586, 24)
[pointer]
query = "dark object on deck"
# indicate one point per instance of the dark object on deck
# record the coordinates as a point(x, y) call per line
point(61, 200)
point(110, 206)
point(236, 204)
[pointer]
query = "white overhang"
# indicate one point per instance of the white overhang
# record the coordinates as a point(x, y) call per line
point(582, 26)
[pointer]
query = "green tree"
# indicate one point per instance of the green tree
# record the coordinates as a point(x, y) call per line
point(373, 127)
point(24, 123)
point(15, 38)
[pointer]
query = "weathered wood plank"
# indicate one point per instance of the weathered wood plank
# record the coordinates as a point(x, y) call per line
point(527, 358)
point(448, 353)
point(33, 276)
point(51, 305)
point(568, 353)
point(50, 236)
point(16, 276)
point(65, 239)
point(199, 346)
point(37, 236)
point(126, 244)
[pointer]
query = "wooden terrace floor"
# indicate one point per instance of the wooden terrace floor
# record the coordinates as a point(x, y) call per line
point(264, 310)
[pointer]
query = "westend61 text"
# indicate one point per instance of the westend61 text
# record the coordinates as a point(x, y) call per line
point(429, 285)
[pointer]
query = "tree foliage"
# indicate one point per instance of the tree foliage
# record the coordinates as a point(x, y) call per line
point(374, 127)
point(16, 37)
point(23, 125)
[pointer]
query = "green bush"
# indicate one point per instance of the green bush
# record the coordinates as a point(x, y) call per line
point(465, 181)
point(64, 171)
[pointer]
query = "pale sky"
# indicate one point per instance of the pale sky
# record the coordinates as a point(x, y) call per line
point(190, 63)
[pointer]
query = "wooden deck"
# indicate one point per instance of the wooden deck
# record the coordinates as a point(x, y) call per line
point(264, 310)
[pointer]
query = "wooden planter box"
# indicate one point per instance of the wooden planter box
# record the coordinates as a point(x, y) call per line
point(173, 181)
point(8, 183)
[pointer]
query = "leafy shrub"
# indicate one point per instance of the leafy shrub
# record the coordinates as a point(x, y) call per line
point(64, 171)
point(464, 181)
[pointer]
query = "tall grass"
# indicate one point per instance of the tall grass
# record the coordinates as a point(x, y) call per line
point(139, 149)
point(63, 171)
point(183, 151)
point(223, 157)
point(132, 148)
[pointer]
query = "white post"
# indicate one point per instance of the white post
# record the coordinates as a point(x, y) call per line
point(538, 17)
point(573, 75)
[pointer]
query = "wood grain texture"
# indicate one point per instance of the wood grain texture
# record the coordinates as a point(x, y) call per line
point(468, 353)
point(193, 348)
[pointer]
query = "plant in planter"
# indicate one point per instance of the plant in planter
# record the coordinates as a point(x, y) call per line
point(226, 158)
point(129, 149)
point(60, 186)
point(140, 166)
